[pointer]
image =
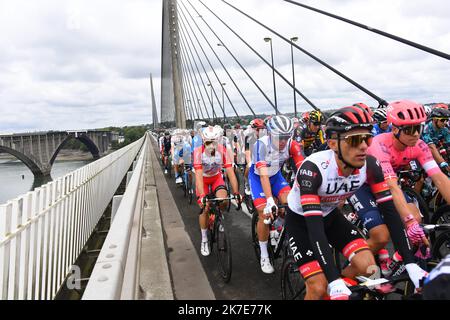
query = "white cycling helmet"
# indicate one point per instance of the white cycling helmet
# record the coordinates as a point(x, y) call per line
point(211, 133)
point(280, 125)
point(380, 115)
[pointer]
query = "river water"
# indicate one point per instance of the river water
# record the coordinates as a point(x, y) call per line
point(16, 179)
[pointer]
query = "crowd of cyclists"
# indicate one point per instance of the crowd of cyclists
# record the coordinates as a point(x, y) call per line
point(315, 167)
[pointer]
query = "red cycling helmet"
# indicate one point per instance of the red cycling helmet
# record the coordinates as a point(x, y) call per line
point(258, 124)
point(440, 105)
point(365, 107)
point(405, 112)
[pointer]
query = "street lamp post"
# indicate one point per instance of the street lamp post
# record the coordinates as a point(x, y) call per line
point(267, 39)
point(223, 102)
point(212, 99)
point(293, 39)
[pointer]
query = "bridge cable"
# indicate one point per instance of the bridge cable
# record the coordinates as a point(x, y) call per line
point(190, 54)
point(207, 76)
point(191, 84)
point(185, 45)
point(385, 34)
point(264, 60)
point(235, 59)
point(188, 90)
point(192, 72)
point(379, 100)
point(209, 62)
point(220, 61)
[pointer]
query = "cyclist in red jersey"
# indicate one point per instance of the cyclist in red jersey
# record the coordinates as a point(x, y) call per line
point(209, 158)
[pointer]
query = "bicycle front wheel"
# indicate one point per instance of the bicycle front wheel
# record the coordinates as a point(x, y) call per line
point(223, 250)
point(292, 284)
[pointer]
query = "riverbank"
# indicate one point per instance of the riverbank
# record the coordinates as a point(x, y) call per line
point(64, 155)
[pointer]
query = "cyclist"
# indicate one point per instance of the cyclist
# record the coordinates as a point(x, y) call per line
point(314, 222)
point(177, 141)
point(209, 159)
point(166, 146)
point(312, 136)
point(435, 132)
point(397, 149)
point(305, 119)
point(253, 133)
point(381, 125)
point(265, 178)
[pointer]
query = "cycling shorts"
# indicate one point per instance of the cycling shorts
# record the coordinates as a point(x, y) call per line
point(341, 234)
point(366, 208)
point(278, 185)
point(210, 184)
point(178, 154)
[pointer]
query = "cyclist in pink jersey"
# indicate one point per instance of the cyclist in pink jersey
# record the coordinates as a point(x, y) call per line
point(396, 149)
point(209, 158)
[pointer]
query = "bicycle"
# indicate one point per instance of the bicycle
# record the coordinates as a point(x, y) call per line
point(277, 245)
point(187, 183)
point(218, 235)
point(247, 198)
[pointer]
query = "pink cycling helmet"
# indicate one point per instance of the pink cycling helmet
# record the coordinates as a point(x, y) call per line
point(405, 112)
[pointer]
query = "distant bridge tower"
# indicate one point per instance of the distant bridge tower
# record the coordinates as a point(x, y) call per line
point(154, 112)
point(172, 105)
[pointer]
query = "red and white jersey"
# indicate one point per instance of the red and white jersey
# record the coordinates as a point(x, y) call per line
point(211, 164)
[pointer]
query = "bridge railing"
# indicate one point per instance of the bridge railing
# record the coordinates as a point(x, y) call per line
point(44, 231)
point(116, 272)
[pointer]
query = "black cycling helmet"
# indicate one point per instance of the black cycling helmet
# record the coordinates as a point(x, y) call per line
point(167, 133)
point(348, 118)
point(315, 116)
point(345, 120)
point(439, 113)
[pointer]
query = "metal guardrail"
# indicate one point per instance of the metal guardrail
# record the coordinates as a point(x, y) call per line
point(44, 231)
point(116, 272)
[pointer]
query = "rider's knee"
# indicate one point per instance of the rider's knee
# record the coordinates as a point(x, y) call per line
point(317, 285)
point(363, 263)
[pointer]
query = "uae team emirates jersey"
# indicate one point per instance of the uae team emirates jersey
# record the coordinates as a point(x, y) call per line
point(320, 185)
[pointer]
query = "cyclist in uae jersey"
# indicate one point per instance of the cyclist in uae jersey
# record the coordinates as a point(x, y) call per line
point(396, 149)
point(265, 178)
point(209, 159)
point(314, 222)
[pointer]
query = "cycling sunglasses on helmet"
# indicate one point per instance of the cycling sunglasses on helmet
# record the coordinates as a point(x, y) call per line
point(410, 130)
point(354, 140)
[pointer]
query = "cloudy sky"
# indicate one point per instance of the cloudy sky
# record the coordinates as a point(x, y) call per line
point(86, 64)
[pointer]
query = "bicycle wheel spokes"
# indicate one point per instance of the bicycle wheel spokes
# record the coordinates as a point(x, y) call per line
point(441, 247)
point(223, 251)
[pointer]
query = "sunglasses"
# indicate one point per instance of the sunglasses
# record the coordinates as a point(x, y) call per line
point(410, 130)
point(316, 123)
point(354, 140)
point(442, 119)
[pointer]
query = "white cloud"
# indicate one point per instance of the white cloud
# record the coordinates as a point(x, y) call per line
point(85, 64)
